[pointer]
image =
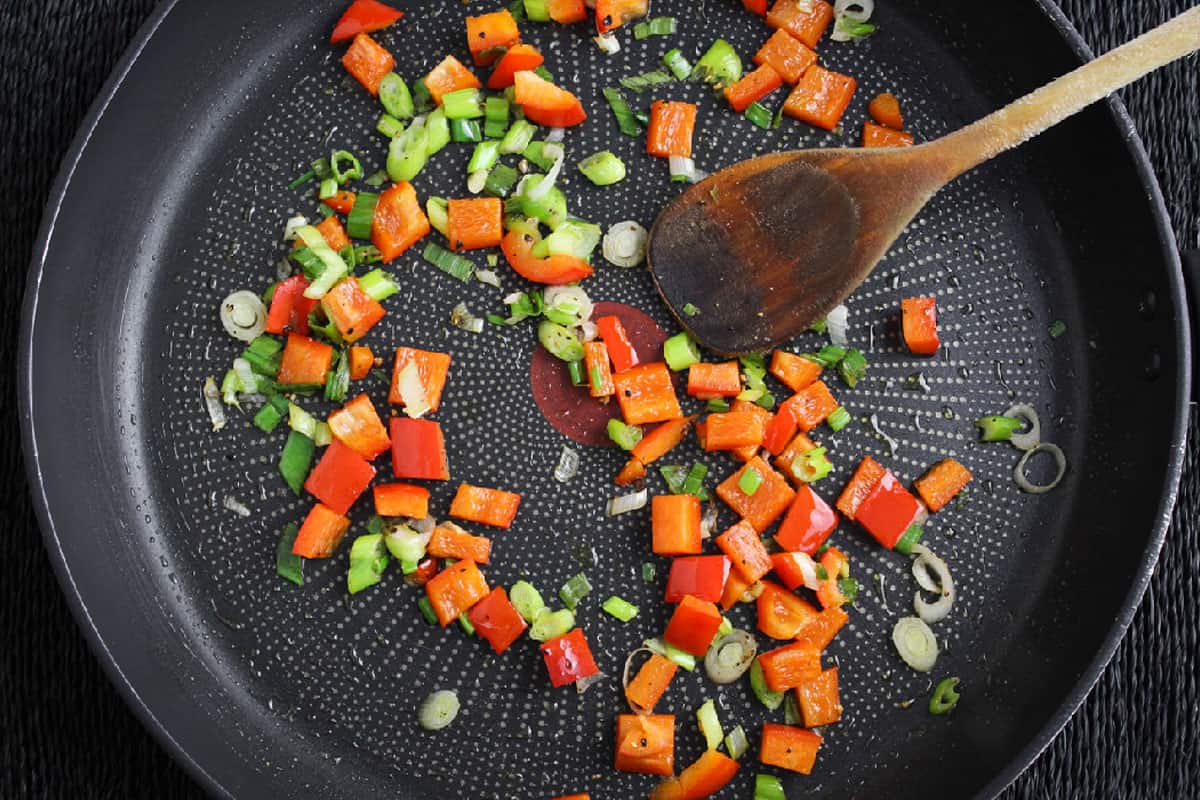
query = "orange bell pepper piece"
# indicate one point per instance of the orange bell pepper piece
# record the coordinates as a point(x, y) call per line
point(781, 614)
point(565, 12)
point(612, 14)
point(735, 587)
point(693, 626)
point(672, 125)
point(352, 310)
point(339, 478)
point(675, 524)
point(449, 76)
point(432, 370)
point(633, 470)
point(455, 589)
point(519, 58)
point(357, 425)
point(650, 683)
point(368, 62)
point(941, 483)
point(808, 27)
point(812, 405)
point(450, 541)
point(880, 136)
point(799, 445)
point(885, 109)
point(732, 430)
point(646, 394)
point(332, 232)
point(486, 506)
point(490, 35)
point(361, 362)
point(866, 477)
point(748, 452)
point(418, 450)
point(795, 372)
point(705, 777)
point(597, 368)
point(342, 203)
point(820, 703)
point(789, 666)
point(919, 323)
point(821, 96)
point(321, 532)
point(475, 223)
point(746, 551)
point(662, 440)
point(787, 55)
point(546, 104)
point(710, 381)
point(646, 743)
point(752, 87)
point(399, 221)
point(401, 500)
point(829, 595)
point(823, 628)
point(768, 502)
point(789, 748)
point(304, 361)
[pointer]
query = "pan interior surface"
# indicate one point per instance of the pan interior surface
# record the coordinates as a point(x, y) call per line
point(308, 692)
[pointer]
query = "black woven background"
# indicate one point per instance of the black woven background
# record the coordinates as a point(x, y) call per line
point(64, 731)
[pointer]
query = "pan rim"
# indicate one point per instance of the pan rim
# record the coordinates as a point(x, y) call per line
point(212, 784)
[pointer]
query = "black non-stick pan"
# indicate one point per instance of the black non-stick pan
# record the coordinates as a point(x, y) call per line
point(175, 194)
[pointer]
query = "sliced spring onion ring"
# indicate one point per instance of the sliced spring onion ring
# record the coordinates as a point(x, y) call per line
point(556, 135)
point(568, 465)
point(730, 657)
point(916, 643)
point(736, 742)
point(625, 503)
point(926, 563)
point(1060, 461)
point(293, 224)
point(682, 169)
point(857, 10)
point(625, 244)
point(569, 299)
point(547, 182)
point(438, 710)
point(243, 315)
point(1032, 437)
point(212, 403)
point(837, 324)
point(489, 277)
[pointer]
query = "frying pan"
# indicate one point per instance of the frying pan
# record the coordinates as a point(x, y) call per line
point(174, 195)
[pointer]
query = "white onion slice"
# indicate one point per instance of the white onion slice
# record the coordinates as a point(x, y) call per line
point(708, 522)
point(243, 315)
point(625, 503)
point(424, 525)
point(916, 643)
point(543, 188)
point(489, 277)
point(607, 43)
point(847, 8)
point(589, 331)
point(837, 325)
point(294, 224)
point(568, 465)
point(682, 167)
point(412, 391)
point(925, 563)
point(625, 244)
point(212, 403)
point(1032, 437)
point(236, 506)
point(1060, 461)
point(245, 375)
point(556, 134)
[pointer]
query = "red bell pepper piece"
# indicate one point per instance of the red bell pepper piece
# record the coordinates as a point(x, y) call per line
point(418, 450)
point(427, 568)
point(889, 510)
point(672, 125)
point(746, 551)
point(709, 381)
point(454, 590)
point(919, 323)
point(787, 55)
point(449, 76)
point(705, 777)
point(941, 483)
point(702, 577)
point(693, 626)
point(552, 270)
point(807, 26)
point(339, 477)
point(367, 62)
point(780, 431)
point(486, 506)
point(756, 6)
point(752, 87)
point(401, 500)
point(808, 523)
point(789, 666)
point(789, 747)
point(357, 425)
point(519, 58)
point(768, 502)
point(304, 361)
point(321, 533)
point(648, 686)
point(620, 349)
point(787, 568)
point(495, 619)
point(490, 35)
point(546, 104)
point(450, 541)
point(646, 743)
point(781, 614)
point(432, 370)
point(568, 658)
point(363, 16)
point(612, 14)
point(821, 96)
point(820, 702)
point(675, 524)
point(399, 221)
point(342, 202)
point(290, 308)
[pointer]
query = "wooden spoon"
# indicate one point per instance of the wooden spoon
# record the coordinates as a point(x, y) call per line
point(769, 246)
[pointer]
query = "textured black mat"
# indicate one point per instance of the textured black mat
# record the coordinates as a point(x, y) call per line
point(65, 733)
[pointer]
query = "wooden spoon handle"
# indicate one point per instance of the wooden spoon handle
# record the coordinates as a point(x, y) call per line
point(1022, 120)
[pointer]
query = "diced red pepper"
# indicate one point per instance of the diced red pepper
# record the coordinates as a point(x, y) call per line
point(820, 702)
point(495, 619)
point(941, 483)
point(919, 323)
point(795, 372)
point(426, 569)
point(787, 568)
point(672, 124)
point(620, 349)
point(675, 524)
point(399, 221)
point(304, 361)
point(432, 370)
point(357, 425)
point(321, 533)
point(342, 202)
point(363, 16)
point(568, 658)
point(702, 577)
point(787, 55)
point(808, 523)
point(646, 743)
point(449, 76)
point(706, 776)
point(864, 480)
point(486, 506)
point(889, 510)
point(367, 62)
point(780, 431)
point(646, 394)
point(756, 6)
point(693, 626)
point(821, 96)
point(451, 541)
point(546, 104)
point(768, 502)
point(746, 551)
point(880, 136)
point(454, 590)
point(812, 405)
point(752, 87)
point(781, 614)
point(361, 362)
point(490, 35)
point(807, 26)
point(352, 310)
point(651, 681)
point(789, 747)
point(418, 450)
point(475, 223)
point(290, 308)
point(401, 500)
point(552, 270)
point(612, 14)
point(519, 58)
point(340, 477)
point(789, 666)
point(710, 381)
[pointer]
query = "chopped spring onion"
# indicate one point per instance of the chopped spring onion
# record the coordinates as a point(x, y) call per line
point(551, 210)
point(560, 341)
point(523, 305)
point(465, 130)
point(301, 421)
point(518, 137)
point(539, 190)
point(575, 589)
point(933, 575)
point(501, 180)
point(945, 697)
point(829, 356)
point(463, 104)
point(575, 371)
point(768, 787)
point(288, 564)
point(409, 152)
point(243, 315)
point(710, 724)
point(690, 310)
point(851, 20)
point(760, 115)
point(335, 267)
point(337, 383)
point(839, 419)
point(758, 684)
point(570, 300)
point(622, 435)
point(681, 352)
point(426, 609)
point(674, 475)
point(437, 131)
point(736, 743)
point(646, 81)
point(998, 429)
point(648, 571)
point(544, 74)
point(620, 608)
point(608, 43)
point(322, 169)
point(486, 155)
point(345, 167)
point(682, 169)
point(212, 403)
point(717, 405)
point(464, 622)
point(720, 66)
point(1057, 328)
point(438, 211)
point(1060, 462)
point(625, 119)
point(527, 600)
point(791, 710)
point(571, 238)
point(852, 367)
point(623, 504)
point(625, 244)
point(406, 543)
point(477, 181)
point(910, 538)
point(389, 126)
point(693, 483)
point(271, 414)
point(536, 153)
point(495, 112)
point(452, 264)
point(552, 624)
point(675, 61)
point(296, 460)
point(378, 285)
point(462, 318)
point(368, 560)
point(659, 26)
point(750, 481)
point(300, 180)
point(362, 215)
point(837, 324)
point(395, 97)
point(489, 277)
point(537, 10)
point(848, 587)
point(367, 254)
point(1030, 438)
point(438, 710)
point(603, 168)
point(327, 189)
point(811, 466)
point(730, 656)
point(916, 643)
point(672, 653)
